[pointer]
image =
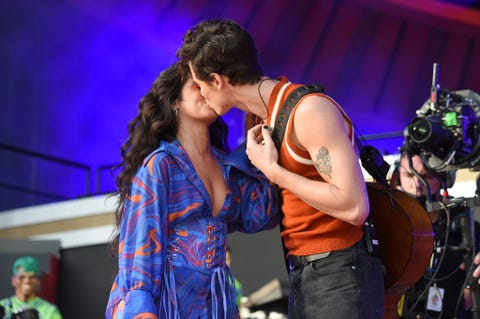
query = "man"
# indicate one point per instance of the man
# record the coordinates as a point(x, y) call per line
point(413, 184)
point(25, 280)
point(438, 294)
point(324, 198)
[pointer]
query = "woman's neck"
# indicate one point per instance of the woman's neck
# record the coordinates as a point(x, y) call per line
point(194, 143)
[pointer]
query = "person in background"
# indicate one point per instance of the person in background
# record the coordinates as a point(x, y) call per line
point(439, 293)
point(26, 280)
point(180, 194)
point(323, 192)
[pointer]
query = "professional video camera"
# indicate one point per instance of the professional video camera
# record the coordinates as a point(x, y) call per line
point(446, 135)
point(446, 131)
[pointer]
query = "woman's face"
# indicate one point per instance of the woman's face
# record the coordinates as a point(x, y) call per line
point(193, 105)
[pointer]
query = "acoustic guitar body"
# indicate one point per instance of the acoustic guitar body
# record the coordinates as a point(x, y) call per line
point(405, 234)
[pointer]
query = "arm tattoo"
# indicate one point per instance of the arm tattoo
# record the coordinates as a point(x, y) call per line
point(323, 163)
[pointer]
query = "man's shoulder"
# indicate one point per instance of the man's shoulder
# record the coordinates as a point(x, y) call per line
point(44, 302)
point(47, 307)
point(4, 301)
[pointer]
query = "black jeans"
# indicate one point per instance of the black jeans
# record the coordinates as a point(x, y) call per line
point(348, 284)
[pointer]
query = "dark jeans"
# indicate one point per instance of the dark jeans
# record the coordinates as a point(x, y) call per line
point(348, 284)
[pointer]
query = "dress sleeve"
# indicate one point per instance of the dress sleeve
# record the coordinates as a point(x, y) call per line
point(136, 290)
point(257, 202)
point(255, 206)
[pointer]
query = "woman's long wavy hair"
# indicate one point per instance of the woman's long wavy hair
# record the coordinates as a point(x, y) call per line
point(156, 121)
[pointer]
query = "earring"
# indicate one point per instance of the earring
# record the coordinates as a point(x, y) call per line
point(176, 112)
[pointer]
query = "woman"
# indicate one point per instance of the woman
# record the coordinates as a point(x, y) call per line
point(179, 196)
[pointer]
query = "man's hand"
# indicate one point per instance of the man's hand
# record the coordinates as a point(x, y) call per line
point(261, 149)
point(476, 261)
point(476, 272)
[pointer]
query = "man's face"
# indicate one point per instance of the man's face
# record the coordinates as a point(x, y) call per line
point(213, 95)
point(411, 184)
point(25, 284)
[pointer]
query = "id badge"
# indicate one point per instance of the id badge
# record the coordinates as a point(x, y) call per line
point(435, 298)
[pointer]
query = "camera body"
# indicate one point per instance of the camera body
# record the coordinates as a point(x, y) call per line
point(446, 131)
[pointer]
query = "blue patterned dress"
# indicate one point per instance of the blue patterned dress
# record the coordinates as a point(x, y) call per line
point(172, 250)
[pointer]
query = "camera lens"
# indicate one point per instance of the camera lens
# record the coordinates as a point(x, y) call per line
point(428, 134)
point(420, 130)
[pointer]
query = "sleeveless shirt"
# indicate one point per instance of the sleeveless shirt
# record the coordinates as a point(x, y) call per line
point(306, 230)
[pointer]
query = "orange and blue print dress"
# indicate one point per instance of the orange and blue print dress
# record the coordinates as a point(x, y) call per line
point(172, 250)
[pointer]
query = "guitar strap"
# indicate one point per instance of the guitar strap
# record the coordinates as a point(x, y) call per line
point(287, 108)
point(281, 122)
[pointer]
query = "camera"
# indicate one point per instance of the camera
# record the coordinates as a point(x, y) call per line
point(446, 135)
point(446, 131)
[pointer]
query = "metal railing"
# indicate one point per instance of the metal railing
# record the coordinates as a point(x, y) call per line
point(32, 194)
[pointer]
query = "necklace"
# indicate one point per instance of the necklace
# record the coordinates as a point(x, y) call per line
point(261, 97)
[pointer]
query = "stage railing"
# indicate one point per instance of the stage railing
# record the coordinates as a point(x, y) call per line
point(30, 178)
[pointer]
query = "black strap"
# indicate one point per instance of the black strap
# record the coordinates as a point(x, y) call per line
point(280, 126)
point(287, 107)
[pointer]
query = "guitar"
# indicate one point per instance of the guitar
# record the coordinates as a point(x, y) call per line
point(405, 235)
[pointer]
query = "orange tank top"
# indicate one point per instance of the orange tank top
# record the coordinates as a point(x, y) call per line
point(306, 230)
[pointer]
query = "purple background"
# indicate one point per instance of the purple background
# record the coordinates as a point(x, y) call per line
point(73, 71)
